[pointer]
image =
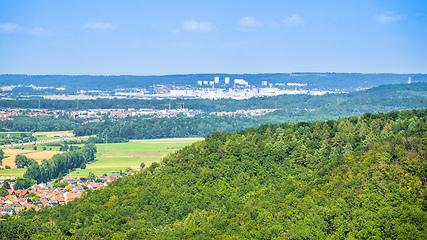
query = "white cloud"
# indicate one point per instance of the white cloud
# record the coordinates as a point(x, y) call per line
point(388, 17)
point(274, 25)
point(8, 27)
point(37, 31)
point(248, 24)
point(193, 26)
point(100, 26)
point(176, 31)
point(293, 20)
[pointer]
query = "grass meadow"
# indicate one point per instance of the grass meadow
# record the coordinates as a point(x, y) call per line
point(111, 157)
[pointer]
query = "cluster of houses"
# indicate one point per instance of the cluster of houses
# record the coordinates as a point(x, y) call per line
point(8, 114)
point(131, 112)
point(46, 195)
point(95, 115)
point(254, 112)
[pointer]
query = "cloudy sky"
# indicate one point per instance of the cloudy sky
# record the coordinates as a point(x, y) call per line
point(212, 36)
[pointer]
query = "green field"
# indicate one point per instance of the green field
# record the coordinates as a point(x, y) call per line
point(16, 172)
point(13, 134)
point(114, 157)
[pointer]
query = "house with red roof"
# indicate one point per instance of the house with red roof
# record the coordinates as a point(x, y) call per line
point(22, 192)
point(110, 179)
point(44, 201)
point(70, 196)
point(29, 206)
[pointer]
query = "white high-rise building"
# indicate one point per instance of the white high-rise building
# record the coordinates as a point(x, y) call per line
point(227, 80)
point(409, 81)
point(205, 82)
point(264, 83)
point(216, 80)
point(211, 83)
point(200, 83)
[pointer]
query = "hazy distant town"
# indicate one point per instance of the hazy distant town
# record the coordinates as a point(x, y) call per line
point(218, 88)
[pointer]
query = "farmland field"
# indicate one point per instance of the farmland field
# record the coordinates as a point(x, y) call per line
point(51, 135)
point(112, 157)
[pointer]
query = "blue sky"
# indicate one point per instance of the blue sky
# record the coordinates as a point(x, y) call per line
point(178, 37)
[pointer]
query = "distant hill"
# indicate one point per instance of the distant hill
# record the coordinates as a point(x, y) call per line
point(352, 178)
point(348, 81)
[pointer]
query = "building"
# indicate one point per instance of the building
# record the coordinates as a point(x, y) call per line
point(241, 82)
point(227, 80)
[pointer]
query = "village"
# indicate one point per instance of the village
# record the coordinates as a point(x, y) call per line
point(46, 195)
point(97, 114)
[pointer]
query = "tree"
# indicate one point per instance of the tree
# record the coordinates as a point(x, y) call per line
point(3, 192)
point(83, 166)
point(142, 166)
point(1, 157)
point(21, 161)
point(63, 148)
point(35, 147)
point(91, 176)
point(6, 185)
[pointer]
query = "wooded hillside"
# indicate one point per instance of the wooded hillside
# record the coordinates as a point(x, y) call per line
point(354, 178)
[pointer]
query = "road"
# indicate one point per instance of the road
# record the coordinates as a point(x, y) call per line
point(43, 141)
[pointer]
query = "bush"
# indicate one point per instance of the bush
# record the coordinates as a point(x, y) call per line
point(7, 167)
point(83, 166)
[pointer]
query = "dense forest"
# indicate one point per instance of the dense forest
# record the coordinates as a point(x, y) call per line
point(351, 178)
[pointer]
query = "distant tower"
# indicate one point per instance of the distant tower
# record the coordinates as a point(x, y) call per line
point(409, 81)
point(227, 80)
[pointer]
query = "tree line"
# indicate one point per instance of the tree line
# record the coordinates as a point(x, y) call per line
point(60, 164)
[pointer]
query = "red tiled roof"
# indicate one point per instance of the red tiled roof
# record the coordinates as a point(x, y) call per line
point(73, 195)
point(28, 206)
